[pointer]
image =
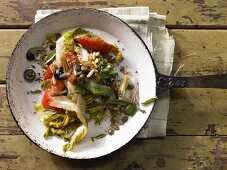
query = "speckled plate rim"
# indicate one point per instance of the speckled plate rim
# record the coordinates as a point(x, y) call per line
point(10, 99)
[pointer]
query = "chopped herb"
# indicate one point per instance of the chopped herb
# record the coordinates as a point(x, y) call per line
point(98, 89)
point(79, 89)
point(150, 101)
point(35, 49)
point(106, 70)
point(59, 93)
point(131, 110)
point(99, 117)
point(98, 137)
point(143, 111)
point(122, 102)
point(49, 57)
point(36, 91)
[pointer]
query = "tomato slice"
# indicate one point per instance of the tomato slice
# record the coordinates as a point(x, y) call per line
point(48, 74)
point(71, 57)
point(59, 86)
point(94, 44)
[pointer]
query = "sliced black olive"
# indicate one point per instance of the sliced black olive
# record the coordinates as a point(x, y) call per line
point(29, 75)
point(58, 72)
point(30, 56)
point(77, 67)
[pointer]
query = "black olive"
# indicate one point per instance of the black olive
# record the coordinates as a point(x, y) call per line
point(58, 72)
point(52, 47)
point(29, 75)
point(30, 56)
point(77, 67)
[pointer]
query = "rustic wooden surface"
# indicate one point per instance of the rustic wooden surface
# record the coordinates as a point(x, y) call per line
point(180, 13)
point(197, 128)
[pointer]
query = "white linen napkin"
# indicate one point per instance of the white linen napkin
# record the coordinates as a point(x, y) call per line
point(151, 27)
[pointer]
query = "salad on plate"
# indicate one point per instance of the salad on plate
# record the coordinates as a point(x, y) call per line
point(84, 81)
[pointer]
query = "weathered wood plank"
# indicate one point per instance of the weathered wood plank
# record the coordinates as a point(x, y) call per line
point(194, 13)
point(200, 51)
point(7, 123)
point(169, 153)
point(208, 111)
point(192, 112)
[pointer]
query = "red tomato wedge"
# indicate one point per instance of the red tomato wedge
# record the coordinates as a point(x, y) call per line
point(59, 86)
point(48, 74)
point(94, 44)
point(71, 57)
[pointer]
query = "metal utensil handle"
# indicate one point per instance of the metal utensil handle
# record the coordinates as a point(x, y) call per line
point(210, 81)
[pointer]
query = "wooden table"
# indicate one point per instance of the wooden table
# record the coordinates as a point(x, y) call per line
point(197, 123)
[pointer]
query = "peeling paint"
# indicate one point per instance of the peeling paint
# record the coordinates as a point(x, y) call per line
point(5, 156)
point(199, 1)
point(97, 3)
point(187, 17)
point(210, 129)
point(213, 16)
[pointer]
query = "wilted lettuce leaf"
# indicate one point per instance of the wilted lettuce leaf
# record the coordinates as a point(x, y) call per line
point(78, 135)
point(68, 42)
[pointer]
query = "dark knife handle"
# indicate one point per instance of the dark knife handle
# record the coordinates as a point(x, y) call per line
point(210, 81)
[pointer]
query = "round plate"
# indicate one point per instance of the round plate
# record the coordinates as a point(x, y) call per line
point(113, 30)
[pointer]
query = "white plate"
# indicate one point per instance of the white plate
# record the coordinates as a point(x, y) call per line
point(112, 29)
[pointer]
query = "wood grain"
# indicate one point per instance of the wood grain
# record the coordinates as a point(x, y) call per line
point(180, 14)
point(206, 47)
point(192, 112)
point(202, 108)
point(169, 153)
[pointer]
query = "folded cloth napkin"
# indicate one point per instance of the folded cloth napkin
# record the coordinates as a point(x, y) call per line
point(151, 27)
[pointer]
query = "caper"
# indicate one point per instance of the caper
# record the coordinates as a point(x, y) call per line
point(115, 127)
point(29, 75)
point(124, 119)
point(110, 131)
